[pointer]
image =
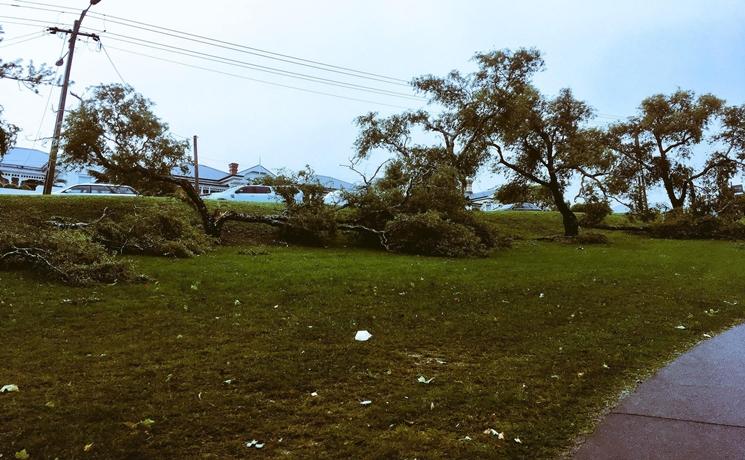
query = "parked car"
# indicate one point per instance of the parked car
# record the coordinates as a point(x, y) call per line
point(520, 207)
point(335, 198)
point(98, 190)
point(252, 193)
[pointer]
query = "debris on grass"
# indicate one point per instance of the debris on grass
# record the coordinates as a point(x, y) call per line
point(229, 381)
point(541, 295)
point(314, 394)
point(518, 441)
point(734, 302)
point(255, 444)
point(493, 432)
point(423, 379)
point(366, 402)
point(708, 336)
point(362, 336)
point(9, 388)
point(681, 327)
point(236, 302)
point(88, 447)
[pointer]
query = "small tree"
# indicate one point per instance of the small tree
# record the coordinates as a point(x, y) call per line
point(658, 145)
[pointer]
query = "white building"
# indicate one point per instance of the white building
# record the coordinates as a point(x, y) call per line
point(27, 167)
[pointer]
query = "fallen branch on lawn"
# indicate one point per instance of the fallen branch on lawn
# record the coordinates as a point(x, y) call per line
point(59, 222)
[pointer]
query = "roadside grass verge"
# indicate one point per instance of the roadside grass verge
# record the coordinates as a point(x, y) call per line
point(534, 341)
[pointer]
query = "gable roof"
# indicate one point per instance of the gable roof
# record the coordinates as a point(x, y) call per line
point(258, 169)
point(24, 157)
point(334, 183)
point(487, 194)
point(205, 172)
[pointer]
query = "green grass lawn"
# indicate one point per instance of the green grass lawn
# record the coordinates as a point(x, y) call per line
point(535, 341)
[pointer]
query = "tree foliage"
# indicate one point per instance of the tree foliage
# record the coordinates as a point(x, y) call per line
point(28, 75)
point(534, 139)
point(660, 145)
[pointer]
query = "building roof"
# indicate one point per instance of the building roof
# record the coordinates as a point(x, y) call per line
point(205, 172)
point(26, 158)
point(258, 169)
point(333, 183)
point(487, 194)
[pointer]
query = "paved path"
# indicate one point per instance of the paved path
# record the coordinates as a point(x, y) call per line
point(692, 409)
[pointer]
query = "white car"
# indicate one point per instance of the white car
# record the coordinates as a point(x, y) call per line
point(335, 198)
point(252, 193)
point(98, 190)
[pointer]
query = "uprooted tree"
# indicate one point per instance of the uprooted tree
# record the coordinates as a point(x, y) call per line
point(659, 145)
point(419, 203)
point(116, 130)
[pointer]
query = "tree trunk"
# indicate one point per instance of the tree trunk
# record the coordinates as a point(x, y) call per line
point(571, 224)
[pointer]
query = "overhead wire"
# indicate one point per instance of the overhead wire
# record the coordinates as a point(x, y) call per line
point(244, 77)
point(3, 44)
point(111, 61)
point(228, 61)
point(49, 99)
point(267, 54)
point(271, 70)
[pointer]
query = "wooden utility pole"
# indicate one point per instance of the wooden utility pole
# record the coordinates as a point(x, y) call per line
point(74, 33)
point(196, 166)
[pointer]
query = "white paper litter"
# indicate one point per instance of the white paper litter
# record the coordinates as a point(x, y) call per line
point(255, 444)
point(362, 336)
point(9, 388)
point(314, 394)
point(681, 327)
point(366, 402)
point(423, 379)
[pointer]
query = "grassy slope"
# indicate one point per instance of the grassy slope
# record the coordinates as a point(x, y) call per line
point(511, 359)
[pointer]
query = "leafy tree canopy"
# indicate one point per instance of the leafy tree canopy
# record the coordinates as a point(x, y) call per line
point(116, 129)
point(659, 143)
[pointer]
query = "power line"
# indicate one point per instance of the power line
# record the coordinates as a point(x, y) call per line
point(18, 37)
point(37, 36)
point(243, 77)
point(112, 64)
point(249, 65)
point(319, 65)
point(49, 99)
point(261, 68)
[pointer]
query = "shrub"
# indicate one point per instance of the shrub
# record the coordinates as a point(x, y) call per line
point(70, 256)
point(685, 225)
point(428, 233)
point(594, 213)
point(160, 234)
point(311, 225)
point(578, 207)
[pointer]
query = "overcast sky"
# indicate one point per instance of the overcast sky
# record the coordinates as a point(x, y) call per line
point(611, 53)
